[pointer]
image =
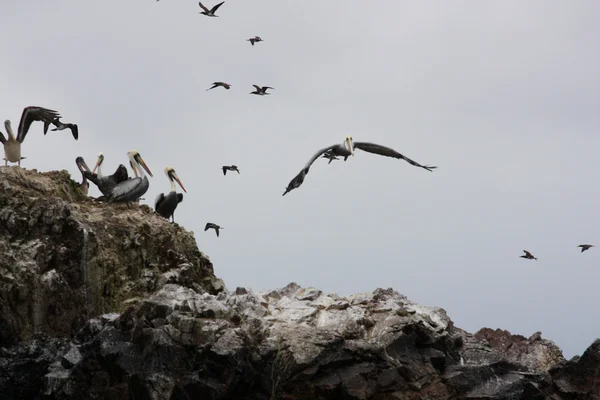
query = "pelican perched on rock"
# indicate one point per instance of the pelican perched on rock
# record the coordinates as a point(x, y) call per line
point(132, 189)
point(12, 145)
point(212, 11)
point(226, 168)
point(106, 184)
point(261, 91)
point(60, 126)
point(83, 168)
point(345, 150)
point(216, 227)
point(253, 40)
point(166, 205)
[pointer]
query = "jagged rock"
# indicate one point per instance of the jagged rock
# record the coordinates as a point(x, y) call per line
point(170, 329)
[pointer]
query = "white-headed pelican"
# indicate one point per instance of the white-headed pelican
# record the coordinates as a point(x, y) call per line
point(132, 189)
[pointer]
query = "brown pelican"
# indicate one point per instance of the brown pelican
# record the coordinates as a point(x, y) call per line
point(166, 205)
point(12, 145)
point(345, 150)
point(585, 247)
point(230, 168)
point(261, 91)
point(528, 256)
point(213, 226)
point(132, 189)
point(253, 40)
point(217, 84)
point(60, 126)
point(106, 184)
point(211, 12)
point(82, 166)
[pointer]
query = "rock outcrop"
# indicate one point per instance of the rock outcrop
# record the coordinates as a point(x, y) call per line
point(113, 302)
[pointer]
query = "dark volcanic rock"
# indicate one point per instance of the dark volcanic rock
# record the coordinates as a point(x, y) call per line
point(131, 310)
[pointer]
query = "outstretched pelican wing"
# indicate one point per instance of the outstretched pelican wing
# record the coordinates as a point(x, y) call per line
point(31, 114)
point(215, 8)
point(386, 151)
point(202, 7)
point(2, 138)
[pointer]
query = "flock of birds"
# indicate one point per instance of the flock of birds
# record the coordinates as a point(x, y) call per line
point(121, 188)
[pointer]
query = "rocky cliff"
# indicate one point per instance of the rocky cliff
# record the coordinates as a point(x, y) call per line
point(105, 301)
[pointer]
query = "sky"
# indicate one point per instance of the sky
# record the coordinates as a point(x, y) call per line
point(502, 96)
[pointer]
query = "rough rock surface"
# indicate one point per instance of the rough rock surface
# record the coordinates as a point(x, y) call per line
point(170, 330)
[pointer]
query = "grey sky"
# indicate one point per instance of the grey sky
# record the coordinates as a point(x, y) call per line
point(502, 96)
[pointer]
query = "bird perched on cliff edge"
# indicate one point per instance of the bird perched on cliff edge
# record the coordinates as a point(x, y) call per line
point(528, 256)
point(82, 166)
point(166, 205)
point(585, 247)
point(216, 227)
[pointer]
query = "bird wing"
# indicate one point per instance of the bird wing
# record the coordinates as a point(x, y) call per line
point(267, 87)
point(120, 174)
point(528, 254)
point(159, 199)
point(215, 8)
point(124, 187)
point(207, 227)
point(257, 87)
point(224, 170)
point(31, 114)
point(2, 138)
point(202, 7)
point(386, 151)
point(317, 155)
point(179, 197)
point(217, 230)
point(74, 131)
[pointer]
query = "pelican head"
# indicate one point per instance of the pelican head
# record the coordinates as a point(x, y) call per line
point(81, 164)
point(134, 156)
point(99, 162)
point(8, 127)
point(349, 143)
point(172, 175)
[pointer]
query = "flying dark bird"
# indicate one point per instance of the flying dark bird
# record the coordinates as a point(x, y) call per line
point(12, 145)
point(585, 247)
point(528, 256)
point(330, 157)
point(82, 166)
point(132, 189)
point(106, 184)
point(166, 205)
point(230, 168)
point(60, 126)
point(253, 40)
point(213, 226)
point(211, 12)
point(261, 91)
point(345, 150)
point(217, 84)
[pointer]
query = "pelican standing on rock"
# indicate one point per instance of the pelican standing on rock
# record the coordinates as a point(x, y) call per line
point(212, 11)
point(261, 91)
point(345, 150)
point(106, 184)
point(84, 186)
point(12, 145)
point(132, 189)
point(166, 205)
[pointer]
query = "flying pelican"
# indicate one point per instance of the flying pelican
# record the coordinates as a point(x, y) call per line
point(12, 145)
point(253, 40)
point(60, 126)
point(261, 91)
point(585, 247)
point(166, 205)
point(216, 227)
point(82, 166)
point(106, 184)
point(132, 189)
point(211, 12)
point(217, 84)
point(230, 168)
point(528, 256)
point(345, 150)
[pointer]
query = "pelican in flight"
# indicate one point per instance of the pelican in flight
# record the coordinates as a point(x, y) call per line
point(83, 168)
point(528, 255)
point(253, 40)
point(217, 84)
point(106, 184)
point(12, 145)
point(585, 247)
point(226, 168)
point(212, 11)
point(216, 227)
point(60, 126)
point(345, 150)
point(261, 91)
point(132, 189)
point(166, 205)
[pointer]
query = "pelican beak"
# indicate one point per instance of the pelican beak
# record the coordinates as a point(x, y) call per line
point(174, 176)
point(350, 145)
point(98, 162)
point(141, 161)
point(133, 167)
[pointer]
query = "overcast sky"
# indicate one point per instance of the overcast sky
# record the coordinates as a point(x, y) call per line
point(503, 96)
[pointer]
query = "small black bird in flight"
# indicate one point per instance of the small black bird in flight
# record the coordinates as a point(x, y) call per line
point(217, 84)
point(261, 91)
point(230, 168)
point(216, 227)
point(60, 126)
point(585, 247)
point(528, 256)
point(211, 12)
point(253, 40)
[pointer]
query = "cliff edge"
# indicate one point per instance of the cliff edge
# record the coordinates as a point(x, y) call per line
point(105, 301)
